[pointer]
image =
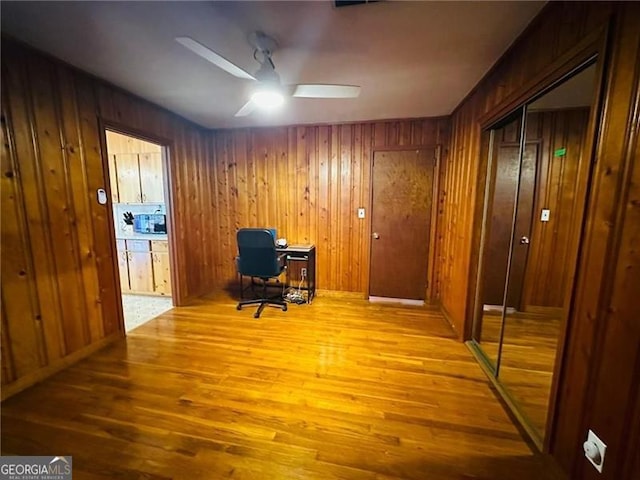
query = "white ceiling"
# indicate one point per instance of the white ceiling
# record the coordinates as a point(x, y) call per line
point(412, 59)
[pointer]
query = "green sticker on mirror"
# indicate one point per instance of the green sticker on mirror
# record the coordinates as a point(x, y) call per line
point(560, 152)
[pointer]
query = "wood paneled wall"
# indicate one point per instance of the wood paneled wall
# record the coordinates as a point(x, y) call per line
point(59, 294)
point(58, 285)
point(59, 281)
point(550, 39)
point(551, 262)
point(600, 382)
point(600, 364)
point(307, 182)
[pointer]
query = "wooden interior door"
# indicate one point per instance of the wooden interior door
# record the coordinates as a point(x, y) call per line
point(524, 218)
point(497, 249)
point(402, 199)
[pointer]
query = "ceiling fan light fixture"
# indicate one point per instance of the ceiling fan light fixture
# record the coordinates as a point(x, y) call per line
point(268, 99)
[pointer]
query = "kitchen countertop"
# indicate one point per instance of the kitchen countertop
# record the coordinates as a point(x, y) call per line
point(141, 236)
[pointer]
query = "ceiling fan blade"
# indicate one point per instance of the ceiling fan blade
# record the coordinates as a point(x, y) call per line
point(247, 109)
point(326, 91)
point(213, 57)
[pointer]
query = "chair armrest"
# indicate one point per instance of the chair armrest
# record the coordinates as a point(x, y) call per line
point(281, 259)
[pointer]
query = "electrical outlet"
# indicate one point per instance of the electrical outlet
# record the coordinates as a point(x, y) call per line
point(594, 450)
point(303, 272)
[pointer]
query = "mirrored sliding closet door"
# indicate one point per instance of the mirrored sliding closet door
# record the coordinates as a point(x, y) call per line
point(537, 171)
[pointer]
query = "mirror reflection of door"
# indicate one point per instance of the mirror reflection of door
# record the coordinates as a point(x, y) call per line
point(504, 170)
point(534, 209)
point(506, 183)
point(402, 200)
point(558, 123)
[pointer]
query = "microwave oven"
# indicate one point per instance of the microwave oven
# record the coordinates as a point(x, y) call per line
point(150, 223)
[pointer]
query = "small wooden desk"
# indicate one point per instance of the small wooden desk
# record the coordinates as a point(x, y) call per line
point(299, 257)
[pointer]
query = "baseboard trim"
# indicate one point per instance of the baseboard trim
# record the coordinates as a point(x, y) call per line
point(43, 373)
point(402, 301)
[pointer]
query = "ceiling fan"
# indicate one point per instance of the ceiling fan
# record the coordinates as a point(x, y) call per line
point(270, 92)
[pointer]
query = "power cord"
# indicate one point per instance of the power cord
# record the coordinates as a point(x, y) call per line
point(296, 296)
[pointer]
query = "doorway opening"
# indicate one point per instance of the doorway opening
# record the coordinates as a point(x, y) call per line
point(139, 202)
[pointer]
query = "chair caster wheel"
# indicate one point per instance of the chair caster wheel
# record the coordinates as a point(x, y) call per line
point(256, 315)
point(238, 307)
point(284, 308)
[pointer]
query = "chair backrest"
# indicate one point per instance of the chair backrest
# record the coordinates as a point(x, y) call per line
point(257, 253)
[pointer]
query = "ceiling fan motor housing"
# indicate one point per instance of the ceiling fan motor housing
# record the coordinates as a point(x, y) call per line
point(263, 43)
point(267, 74)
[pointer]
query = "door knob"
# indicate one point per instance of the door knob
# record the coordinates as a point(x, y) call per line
point(524, 240)
point(375, 235)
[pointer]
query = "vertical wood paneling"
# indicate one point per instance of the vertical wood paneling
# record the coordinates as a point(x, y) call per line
point(59, 274)
point(90, 146)
point(602, 335)
point(308, 184)
point(8, 369)
point(49, 255)
point(306, 181)
point(20, 334)
point(79, 197)
point(26, 152)
point(605, 337)
point(550, 261)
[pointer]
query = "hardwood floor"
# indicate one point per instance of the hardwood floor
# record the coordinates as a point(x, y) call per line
point(527, 360)
point(340, 389)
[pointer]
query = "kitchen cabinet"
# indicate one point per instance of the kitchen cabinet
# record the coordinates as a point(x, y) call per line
point(128, 173)
point(151, 184)
point(139, 178)
point(123, 266)
point(144, 266)
point(161, 271)
point(140, 269)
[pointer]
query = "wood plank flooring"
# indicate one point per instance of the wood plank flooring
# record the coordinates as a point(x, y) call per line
point(527, 361)
point(340, 389)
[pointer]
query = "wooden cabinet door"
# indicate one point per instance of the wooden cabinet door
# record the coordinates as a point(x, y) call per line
point(128, 173)
point(151, 178)
point(161, 273)
point(161, 270)
point(140, 271)
point(123, 266)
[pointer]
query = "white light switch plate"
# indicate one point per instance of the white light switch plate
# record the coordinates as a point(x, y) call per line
point(544, 216)
point(361, 213)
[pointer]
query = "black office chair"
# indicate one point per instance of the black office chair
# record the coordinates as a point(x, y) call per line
point(258, 259)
